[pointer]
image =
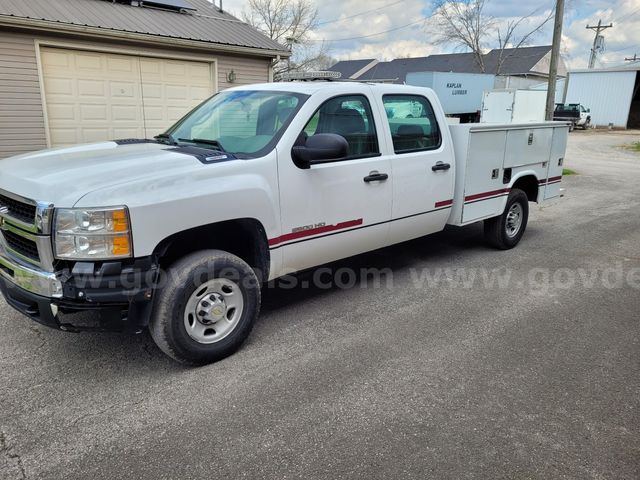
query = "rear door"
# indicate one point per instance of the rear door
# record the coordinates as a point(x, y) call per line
point(556, 160)
point(423, 172)
point(333, 210)
point(497, 107)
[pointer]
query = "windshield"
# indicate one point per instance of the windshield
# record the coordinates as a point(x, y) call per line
point(246, 123)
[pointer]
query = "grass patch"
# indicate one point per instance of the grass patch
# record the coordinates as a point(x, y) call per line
point(568, 171)
point(634, 146)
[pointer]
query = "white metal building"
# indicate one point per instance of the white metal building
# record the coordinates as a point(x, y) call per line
point(612, 94)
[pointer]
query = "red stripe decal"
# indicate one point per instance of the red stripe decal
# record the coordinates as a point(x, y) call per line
point(553, 183)
point(444, 203)
point(314, 231)
point(486, 194)
point(550, 180)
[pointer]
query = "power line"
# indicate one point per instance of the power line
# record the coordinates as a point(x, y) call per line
point(372, 34)
point(623, 49)
point(359, 14)
point(625, 17)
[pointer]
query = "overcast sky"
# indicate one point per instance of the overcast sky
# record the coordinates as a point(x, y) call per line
point(341, 20)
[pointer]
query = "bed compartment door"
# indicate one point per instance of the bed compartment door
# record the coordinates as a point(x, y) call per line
point(556, 160)
point(484, 188)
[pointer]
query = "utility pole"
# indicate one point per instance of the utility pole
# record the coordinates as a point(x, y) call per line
point(594, 50)
point(555, 55)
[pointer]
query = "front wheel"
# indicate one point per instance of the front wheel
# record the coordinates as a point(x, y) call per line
point(504, 232)
point(205, 308)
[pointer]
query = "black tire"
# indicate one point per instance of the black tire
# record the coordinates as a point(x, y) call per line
point(180, 283)
point(496, 232)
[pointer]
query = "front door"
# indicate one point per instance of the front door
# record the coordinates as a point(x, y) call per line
point(337, 209)
point(423, 176)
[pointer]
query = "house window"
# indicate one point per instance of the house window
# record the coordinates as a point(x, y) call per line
point(349, 116)
point(412, 122)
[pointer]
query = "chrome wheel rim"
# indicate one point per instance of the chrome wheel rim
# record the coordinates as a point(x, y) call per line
point(213, 310)
point(514, 220)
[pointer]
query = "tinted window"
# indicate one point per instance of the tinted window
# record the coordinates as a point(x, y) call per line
point(349, 116)
point(413, 123)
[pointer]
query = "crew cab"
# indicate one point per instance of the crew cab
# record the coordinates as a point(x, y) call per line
point(574, 113)
point(178, 234)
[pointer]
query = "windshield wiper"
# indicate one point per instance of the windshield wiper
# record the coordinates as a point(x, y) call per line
point(204, 141)
point(167, 137)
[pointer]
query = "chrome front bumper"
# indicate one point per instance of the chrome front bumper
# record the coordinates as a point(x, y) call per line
point(28, 277)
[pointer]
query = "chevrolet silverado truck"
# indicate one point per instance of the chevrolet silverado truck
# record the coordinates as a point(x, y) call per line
point(179, 233)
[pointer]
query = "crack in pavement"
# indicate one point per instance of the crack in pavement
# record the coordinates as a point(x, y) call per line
point(11, 456)
point(39, 334)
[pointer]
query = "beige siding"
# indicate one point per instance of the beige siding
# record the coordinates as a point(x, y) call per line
point(247, 70)
point(21, 117)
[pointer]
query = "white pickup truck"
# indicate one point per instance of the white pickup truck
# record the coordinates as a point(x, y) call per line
point(179, 233)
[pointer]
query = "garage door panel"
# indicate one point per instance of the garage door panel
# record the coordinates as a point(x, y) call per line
point(93, 112)
point(91, 88)
point(61, 112)
point(124, 90)
point(125, 113)
point(152, 91)
point(64, 136)
point(176, 92)
point(59, 86)
point(154, 114)
point(87, 61)
point(94, 96)
point(94, 134)
point(56, 59)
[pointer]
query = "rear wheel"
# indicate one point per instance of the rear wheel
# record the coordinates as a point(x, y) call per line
point(206, 308)
point(504, 232)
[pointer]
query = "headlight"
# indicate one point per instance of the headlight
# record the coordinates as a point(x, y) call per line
point(92, 233)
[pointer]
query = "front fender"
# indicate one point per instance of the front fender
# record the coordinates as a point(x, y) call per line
point(210, 194)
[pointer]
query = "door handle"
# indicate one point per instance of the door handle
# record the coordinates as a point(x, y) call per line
point(376, 176)
point(440, 166)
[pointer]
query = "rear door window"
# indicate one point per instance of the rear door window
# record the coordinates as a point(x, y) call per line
point(412, 122)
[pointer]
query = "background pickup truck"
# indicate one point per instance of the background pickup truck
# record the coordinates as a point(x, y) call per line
point(178, 233)
point(574, 113)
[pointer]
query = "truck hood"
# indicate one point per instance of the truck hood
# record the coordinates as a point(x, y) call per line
point(62, 176)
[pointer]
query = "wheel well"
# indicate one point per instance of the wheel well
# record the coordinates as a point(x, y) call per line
point(245, 238)
point(529, 185)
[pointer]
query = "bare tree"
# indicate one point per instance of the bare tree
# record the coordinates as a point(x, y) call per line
point(290, 23)
point(465, 23)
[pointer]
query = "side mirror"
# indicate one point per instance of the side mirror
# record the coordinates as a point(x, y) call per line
point(320, 148)
point(588, 110)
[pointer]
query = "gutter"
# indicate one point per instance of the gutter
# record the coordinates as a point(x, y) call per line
point(106, 33)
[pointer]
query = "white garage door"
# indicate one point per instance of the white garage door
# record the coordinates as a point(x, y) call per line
point(92, 96)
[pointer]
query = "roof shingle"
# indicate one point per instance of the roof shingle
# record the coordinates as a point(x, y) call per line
point(514, 61)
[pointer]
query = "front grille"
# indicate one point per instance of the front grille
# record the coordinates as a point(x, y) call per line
point(19, 210)
point(21, 245)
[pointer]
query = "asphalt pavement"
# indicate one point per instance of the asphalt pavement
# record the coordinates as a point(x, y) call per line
point(457, 362)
